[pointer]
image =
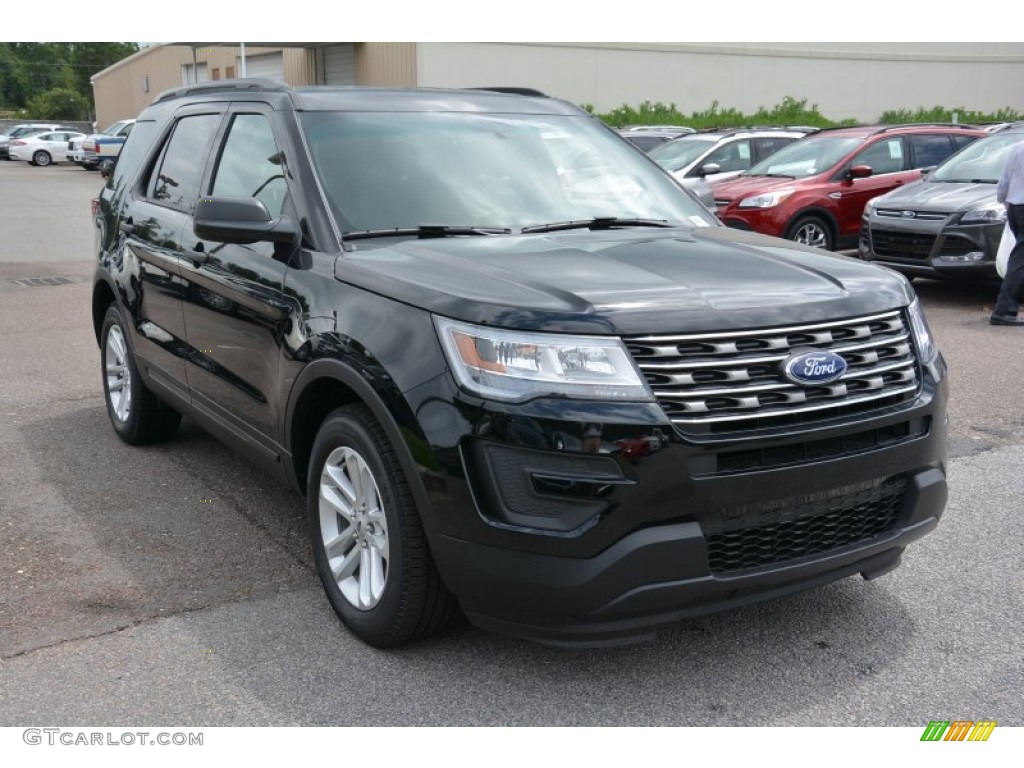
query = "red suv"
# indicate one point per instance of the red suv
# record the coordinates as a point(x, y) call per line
point(814, 190)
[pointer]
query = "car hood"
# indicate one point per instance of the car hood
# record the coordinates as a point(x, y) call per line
point(938, 196)
point(742, 186)
point(625, 281)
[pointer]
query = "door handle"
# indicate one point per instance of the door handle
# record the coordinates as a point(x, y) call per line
point(198, 258)
point(127, 227)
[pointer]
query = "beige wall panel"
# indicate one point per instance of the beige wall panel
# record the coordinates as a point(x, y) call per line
point(119, 89)
point(386, 64)
point(845, 80)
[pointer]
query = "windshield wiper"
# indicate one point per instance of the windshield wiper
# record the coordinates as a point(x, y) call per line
point(776, 175)
point(969, 181)
point(598, 223)
point(424, 231)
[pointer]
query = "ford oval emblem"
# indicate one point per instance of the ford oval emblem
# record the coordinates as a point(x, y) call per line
point(909, 214)
point(819, 367)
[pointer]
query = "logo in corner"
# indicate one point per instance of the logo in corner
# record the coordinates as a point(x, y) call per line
point(809, 368)
point(958, 730)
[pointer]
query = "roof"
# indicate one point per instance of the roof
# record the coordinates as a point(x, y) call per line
point(366, 98)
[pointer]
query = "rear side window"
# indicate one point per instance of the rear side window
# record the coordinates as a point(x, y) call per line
point(962, 141)
point(133, 153)
point(176, 180)
point(769, 146)
point(930, 149)
point(250, 165)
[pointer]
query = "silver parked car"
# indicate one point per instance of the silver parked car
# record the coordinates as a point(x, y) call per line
point(949, 223)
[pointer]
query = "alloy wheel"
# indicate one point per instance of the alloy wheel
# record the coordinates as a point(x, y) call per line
point(119, 375)
point(353, 528)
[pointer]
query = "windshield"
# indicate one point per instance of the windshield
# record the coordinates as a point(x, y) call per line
point(805, 157)
point(981, 161)
point(406, 170)
point(676, 155)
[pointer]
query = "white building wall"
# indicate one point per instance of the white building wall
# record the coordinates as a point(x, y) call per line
point(845, 80)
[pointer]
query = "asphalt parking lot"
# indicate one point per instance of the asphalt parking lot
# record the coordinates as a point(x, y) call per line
point(173, 585)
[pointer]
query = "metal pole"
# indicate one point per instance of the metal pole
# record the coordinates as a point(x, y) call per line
point(242, 61)
point(195, 67)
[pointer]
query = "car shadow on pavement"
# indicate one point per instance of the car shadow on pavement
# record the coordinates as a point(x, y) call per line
point(194, 550)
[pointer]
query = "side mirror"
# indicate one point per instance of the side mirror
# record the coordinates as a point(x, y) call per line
point(859, 172)
point(241, 220)
point(710, 169)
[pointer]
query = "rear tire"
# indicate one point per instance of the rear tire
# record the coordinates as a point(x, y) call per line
point(368, 542)
point(41, 158)
point(137, 415)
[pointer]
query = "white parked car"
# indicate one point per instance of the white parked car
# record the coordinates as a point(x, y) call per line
point(43, 148)
point(76, 150)
point(25, 129)
point(711, 156)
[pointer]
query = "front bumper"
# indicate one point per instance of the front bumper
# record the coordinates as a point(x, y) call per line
point(545, 538)
point(656, 576)
point(932, 250)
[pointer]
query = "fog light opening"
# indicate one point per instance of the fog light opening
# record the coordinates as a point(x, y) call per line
point(963, 258)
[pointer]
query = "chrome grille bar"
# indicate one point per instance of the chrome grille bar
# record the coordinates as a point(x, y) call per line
point(727, 378)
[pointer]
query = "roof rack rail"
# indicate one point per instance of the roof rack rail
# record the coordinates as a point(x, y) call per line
point(224, 86)
point(654, 127)
point(509, 89)
point(734, 129)
point(885, 128)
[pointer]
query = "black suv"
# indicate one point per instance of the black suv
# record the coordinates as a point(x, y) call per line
point(569, 404)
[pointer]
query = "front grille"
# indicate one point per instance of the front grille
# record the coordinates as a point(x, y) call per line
point(904, 245)
point(718, 382)
point(918, 215)
point(746, 538)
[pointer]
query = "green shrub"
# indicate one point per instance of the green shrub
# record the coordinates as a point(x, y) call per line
point(58, 104)
point(790, 111)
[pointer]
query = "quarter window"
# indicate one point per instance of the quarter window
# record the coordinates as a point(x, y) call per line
point(176, 182)
point(251, 165)
point(930, 149)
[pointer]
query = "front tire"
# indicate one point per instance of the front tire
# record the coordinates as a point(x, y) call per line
point(137, 415)
point(41, 158)
point(368, 541)
point(811, 230)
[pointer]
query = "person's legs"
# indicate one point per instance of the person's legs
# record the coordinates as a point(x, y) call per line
point(1008, 301)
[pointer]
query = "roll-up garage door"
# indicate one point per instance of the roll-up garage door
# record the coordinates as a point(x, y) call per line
point(270, 65)
point(339, 64)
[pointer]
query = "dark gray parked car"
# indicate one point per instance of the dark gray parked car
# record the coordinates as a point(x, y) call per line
point(949, 223)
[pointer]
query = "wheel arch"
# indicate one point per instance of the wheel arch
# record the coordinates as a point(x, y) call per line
point(822, 213)
point(323, 386)
point(102, 297)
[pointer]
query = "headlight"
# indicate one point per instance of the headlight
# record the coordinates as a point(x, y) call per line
point(766, 200)
point(991, 213)
point(870, 205)
point(516, 365)
point(922, 333)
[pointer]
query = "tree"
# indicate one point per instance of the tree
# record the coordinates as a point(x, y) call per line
point(58, 104)
point(30, 70)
